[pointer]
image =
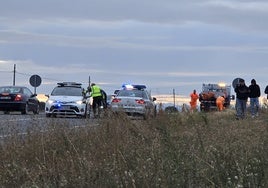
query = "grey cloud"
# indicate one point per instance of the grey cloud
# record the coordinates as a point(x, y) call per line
point(165, 43)
point(231, 13)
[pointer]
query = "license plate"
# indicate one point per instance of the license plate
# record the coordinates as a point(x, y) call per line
point(65, 107)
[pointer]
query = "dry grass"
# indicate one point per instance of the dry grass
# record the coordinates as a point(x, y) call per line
point(173, 150)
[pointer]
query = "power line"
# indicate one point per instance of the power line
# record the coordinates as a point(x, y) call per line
point(46, 78)
point(24, 74)
point(6, 71)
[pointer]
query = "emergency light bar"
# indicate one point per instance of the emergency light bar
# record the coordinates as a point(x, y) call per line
point(133, 86)
point(74, 84)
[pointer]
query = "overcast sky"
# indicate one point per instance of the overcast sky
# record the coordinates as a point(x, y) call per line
point(165, 44)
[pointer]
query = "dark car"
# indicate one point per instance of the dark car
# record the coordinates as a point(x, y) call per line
point(18, 98)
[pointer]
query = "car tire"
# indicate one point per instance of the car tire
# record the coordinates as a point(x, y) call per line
point(26, 109)
point(85, 115)
point(37, 109)
point(146, 115)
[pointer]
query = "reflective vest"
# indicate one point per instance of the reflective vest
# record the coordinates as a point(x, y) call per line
point(95, 91)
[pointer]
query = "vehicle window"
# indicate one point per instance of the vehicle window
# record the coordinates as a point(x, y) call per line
point(5, 90)
point(27, 91)
point(123, 93)
point(144, 95)
point(18, 90)
point(139, 94)
point(67, 91)
point(10, 90)
point(133, 93)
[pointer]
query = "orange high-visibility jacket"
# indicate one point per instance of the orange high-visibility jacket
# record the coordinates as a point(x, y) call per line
point(219, 102)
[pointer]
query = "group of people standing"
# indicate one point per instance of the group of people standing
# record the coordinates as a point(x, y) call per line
point(220, 100)
point(243, 92)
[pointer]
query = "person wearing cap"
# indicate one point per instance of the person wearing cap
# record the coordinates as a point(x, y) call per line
point(254, 94)
point(242, 94)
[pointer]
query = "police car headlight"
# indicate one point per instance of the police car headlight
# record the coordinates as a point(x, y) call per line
point(50, 101)
point(79, 102)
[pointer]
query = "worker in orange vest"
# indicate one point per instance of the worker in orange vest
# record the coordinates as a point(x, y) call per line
point(220, 102)
point(193, 103)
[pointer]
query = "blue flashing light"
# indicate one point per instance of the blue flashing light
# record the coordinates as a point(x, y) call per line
point(127, 86)
point(58, 104)
point(133, 86)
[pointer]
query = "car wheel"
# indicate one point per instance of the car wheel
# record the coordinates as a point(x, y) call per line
point(6, 112)
point(86, 113)
point(47, 115)
point(146, 115)
point(26, 109)
point(37, 109)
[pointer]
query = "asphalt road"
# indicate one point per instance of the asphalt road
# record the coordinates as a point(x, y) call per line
point(15, 123)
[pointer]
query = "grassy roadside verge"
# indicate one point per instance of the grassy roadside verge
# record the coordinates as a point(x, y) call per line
point(173, 150)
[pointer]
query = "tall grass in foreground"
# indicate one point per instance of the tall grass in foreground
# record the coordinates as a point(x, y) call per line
point(173, 150)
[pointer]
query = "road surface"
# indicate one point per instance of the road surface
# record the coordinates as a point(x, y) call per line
point(15, 123)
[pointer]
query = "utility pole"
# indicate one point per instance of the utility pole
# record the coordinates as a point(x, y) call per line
point(14, 75)
point(174, 97)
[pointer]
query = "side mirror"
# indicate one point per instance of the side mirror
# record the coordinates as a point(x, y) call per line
point(86, 97)
point(154, 99)
point(116, 91)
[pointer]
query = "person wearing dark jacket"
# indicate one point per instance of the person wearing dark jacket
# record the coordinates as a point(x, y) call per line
point(266, 91)
point(242, 94)
point(96, 94)
point(254, 94)
point(104, 99)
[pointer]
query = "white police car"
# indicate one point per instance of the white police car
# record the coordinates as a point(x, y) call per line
point(67, 99)
point(135, 101)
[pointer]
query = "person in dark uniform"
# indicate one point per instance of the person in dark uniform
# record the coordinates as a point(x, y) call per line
point(266, 91)
point(104, 99)
point(96, 94)
point(242, 94)
point(254, 94)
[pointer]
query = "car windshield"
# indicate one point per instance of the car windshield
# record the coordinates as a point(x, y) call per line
point(10, 90)
point(67, 91)
point(132, 93)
